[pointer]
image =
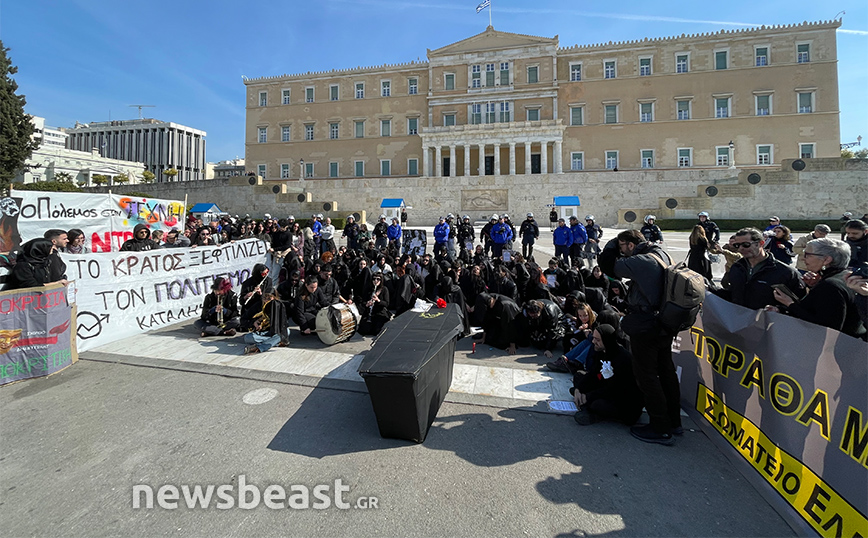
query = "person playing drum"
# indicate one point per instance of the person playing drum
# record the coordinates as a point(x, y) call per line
point(308, 303)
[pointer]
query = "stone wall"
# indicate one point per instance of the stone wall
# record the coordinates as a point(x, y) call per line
point(824, 189)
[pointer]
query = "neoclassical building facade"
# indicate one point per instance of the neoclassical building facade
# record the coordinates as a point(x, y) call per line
point(500, 103)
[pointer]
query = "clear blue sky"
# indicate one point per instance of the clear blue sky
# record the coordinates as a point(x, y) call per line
point(85, 59)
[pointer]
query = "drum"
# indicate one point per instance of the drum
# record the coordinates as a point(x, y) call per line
point(337, 323)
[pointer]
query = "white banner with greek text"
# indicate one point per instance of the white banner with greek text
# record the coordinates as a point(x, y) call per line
point(126, 293)
point(107, 220)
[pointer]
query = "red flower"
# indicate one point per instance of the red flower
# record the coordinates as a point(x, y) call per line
point(441, 303)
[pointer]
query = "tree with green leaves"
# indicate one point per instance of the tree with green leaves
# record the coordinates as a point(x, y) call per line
point(121, 179)
point(100, 179)
point(63, 177)
point(148, 176)
point(16, 144)
point(171, 173)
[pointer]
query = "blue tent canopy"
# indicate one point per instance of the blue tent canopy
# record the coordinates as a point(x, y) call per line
point(567, 200)
point(205, 208)
point(392, 202)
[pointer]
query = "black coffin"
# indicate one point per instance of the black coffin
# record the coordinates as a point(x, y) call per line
point(409, 369)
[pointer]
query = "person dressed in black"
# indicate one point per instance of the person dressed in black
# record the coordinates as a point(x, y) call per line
point(466, 234)
point(629, 256)
point(503, 284)
point(33, 267)
point(553, 219)
point(219, 311)
point(529, 233)
point(140, 241)
point(351, 232)
point(288, 290)
point(712, 232)
point(538, 325)
point(498, 313)
point(697, 258)
point(607, 391)
point(751, 278)
point(308, 303)
point(60, 240)
point(651, 231)
point(375, 308)
point(252, 291)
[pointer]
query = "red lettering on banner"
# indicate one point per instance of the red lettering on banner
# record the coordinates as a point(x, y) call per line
point(101, 244)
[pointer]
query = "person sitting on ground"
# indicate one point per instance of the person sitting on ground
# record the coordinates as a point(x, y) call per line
point(270, 328)
point(309, 302)
point(608, 390)
point(257, 286)
point(540, 325)
point(597, 280)
point(76, 242)
point(375, 308)
point(157, 237)
point(381, 266)
point(503, 283)
point(752, 277)
point(780, 246)
point(498, 313)
point(829, 302)
point(857, 238)
point(220, 303)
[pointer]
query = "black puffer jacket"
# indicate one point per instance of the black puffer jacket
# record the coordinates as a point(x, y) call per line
point(753, 289)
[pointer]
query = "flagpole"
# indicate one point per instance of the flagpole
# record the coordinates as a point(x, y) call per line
point(489, 13)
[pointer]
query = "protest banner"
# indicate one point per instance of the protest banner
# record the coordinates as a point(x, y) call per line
point(786, 401)
point(126, 293)
point(414, 242)
point(36, 333)
point(107, 220)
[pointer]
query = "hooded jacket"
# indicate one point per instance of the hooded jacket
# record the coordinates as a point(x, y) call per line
point(139, 245)
point(33, 267)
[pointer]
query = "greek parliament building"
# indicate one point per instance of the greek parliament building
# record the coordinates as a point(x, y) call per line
point(160, 145)
point(500, 103)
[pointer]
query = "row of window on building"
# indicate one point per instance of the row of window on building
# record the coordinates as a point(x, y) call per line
point(723, 156)
point(500, 74)
point(334, 130)
point(286, 169)
point(502, 112)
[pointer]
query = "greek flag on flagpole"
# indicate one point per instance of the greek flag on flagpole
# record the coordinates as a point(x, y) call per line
point(484, 4)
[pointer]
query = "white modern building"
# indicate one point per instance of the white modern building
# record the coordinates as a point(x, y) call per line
point(159, 145)
point(52, 158)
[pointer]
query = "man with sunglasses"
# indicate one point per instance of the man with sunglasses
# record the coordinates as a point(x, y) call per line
point(751, 278)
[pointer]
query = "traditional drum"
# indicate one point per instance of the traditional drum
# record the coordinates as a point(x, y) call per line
point(337, 323)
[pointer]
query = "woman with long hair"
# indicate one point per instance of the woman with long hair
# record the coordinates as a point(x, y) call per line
point(76, 242)
point(697, 258)
point(375, 308)
point(780, 246)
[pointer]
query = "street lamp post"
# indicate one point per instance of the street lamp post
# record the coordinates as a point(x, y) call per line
point(731, 155)
point(301, 165)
